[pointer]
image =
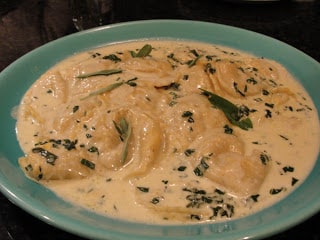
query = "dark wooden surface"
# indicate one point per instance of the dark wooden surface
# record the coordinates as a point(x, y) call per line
point(27, 24)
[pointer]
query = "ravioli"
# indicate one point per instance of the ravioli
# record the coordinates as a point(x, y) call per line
point(180, 128)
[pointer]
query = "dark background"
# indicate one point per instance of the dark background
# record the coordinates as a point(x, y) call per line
point(27, 24)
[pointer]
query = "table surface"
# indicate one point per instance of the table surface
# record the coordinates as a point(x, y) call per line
point(27, 24)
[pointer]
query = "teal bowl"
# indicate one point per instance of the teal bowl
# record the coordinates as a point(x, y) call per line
point(43, 204)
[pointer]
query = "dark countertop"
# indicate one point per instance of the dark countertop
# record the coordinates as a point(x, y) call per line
point(27, 24)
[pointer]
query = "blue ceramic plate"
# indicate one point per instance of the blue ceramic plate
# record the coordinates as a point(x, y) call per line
point(42, 203)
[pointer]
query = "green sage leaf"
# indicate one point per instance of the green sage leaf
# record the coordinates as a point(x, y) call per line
point(100, 73)
point(103, 90)
point(231, 111)
point(143, 52)
point(124, 130)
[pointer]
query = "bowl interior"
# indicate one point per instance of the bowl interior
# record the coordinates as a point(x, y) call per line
point(37, 200)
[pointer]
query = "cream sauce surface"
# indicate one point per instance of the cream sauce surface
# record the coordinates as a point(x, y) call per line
point(150, 138)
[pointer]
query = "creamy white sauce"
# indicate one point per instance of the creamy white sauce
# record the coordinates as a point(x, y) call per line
point(166, 190)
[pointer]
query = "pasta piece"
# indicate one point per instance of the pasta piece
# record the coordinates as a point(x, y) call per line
point(214, 142)
point(180, 213)
point(72, 116)
point(245, 78)
point(281, 95)
point(194, 78)
point(221, 158)
point(159, 72)
point(144, 144)
point(242, 175)
point(51, 83)
point(189, 118)
point(183, 201)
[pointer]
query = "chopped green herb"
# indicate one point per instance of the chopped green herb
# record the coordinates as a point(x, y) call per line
point(270, 105)
point(274, 191)
point(143, 189)
point(264, 158)
point(50, 157)
point(195, 190)
point(210, 57)
point(245, 88)
point(252, 81)
point(193, 62)
point(265, 92)
point(288, 169)
point(209, 69)
point(201, 168)
point(268, 113)
point(165, 181)
point(113, 58)
point(131, 82)
point(29, 168)
point(66, 143)
point(235, 85)
point(93, 150)
point(284, 137)
point(173, 60)
point(189, 151)
point(186, 114)
point(185, 77)
point(75, 108)
point(290, 108)
point(255, 197)
point(174, 86)
point(219, 191)
point(40, 176)
point(206, 199)
point(190, 120)
point(94, 55)
point(294, 181)
point(173, 101)
point(181, 168)
point(273, 83)
point(226, 210)
point(88, 135)
point(244, 111)
point(195, 216)
point(194, 52)
point(155, 200)
point(88, 163)
point(227, 129)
